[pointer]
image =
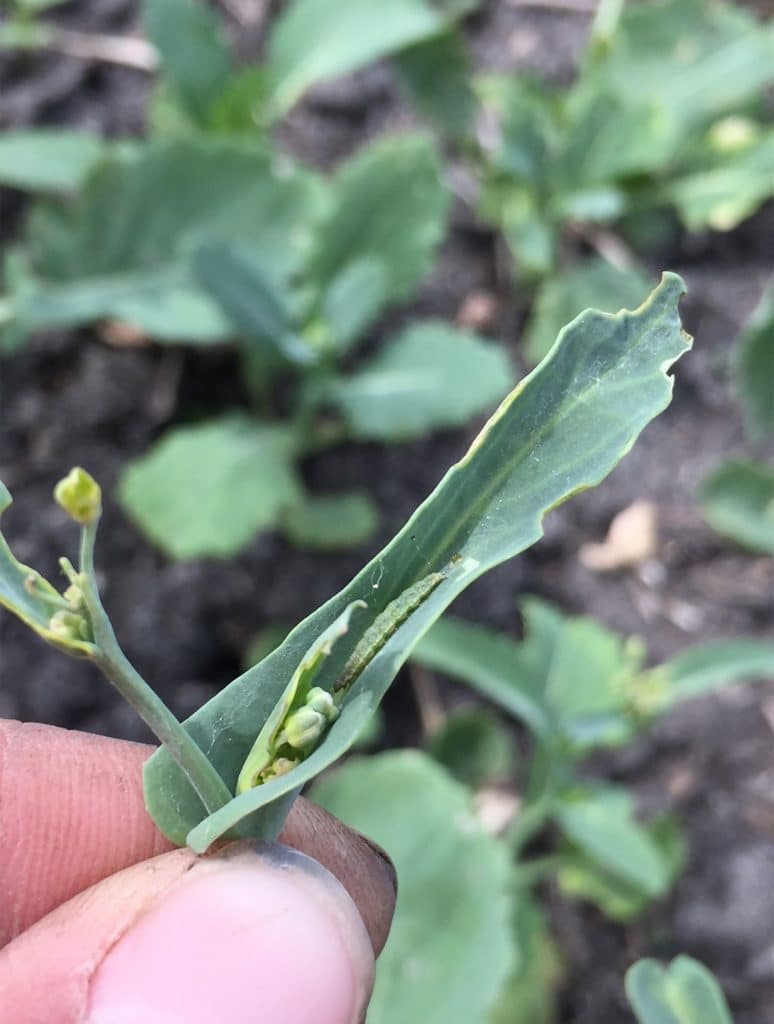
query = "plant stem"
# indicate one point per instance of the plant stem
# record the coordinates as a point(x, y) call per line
point(191, 759)
point(542, 791)
point(530, 872)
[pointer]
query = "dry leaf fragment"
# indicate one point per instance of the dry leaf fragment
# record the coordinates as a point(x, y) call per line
point(478, 311)
point(631, 540)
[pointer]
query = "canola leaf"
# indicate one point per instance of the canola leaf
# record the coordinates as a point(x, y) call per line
point(429, 377)
point(702, 669)
point(208, 489)
point(683, 992)
point(195, 57)
point(387, 210)
point(594, 282)
point(601, 823)
point(48, 161)
point(738, 501)
point(123, 249)
point(437, 76)
point(565, 678)
point(331, 522)
point(754, 369)
point(691, 59)
point(721, 197)
point(307, 46)
point(452, 919)
point(254, 301)
point(581, 876)
point(562, 429)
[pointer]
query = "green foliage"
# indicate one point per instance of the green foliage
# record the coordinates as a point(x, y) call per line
point(684, 992)
point(754, 365)
point(652, 121)
point(487, 509)
point(387, 213)
point(474, 746)
point(332, 521)
point(35, 601)
point(571, 680)
point(580, 875)
point(207, 489)
point(578, 687)
point(600, 823)
point(565, 295)
point(452, 921)
point(89, 261)
point(429, 376)
point(201, 90)
point(530, 995)
point(48, 161)
point(738, 501)
point(375, 229)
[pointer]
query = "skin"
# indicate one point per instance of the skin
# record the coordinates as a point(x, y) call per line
point(102, 922)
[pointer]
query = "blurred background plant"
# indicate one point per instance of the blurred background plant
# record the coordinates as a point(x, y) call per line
point(296, 257)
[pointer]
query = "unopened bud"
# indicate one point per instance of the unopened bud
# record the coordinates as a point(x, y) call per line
point(302, 728)
point(80, 496)
point(69, 626)
point(321, 701)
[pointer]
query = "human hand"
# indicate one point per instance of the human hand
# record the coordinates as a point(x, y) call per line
point(103, 922)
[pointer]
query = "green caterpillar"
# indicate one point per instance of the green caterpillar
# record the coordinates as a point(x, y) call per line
point(384, 626)
point(305, 713)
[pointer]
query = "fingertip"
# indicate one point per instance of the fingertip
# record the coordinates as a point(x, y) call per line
point(260, 932)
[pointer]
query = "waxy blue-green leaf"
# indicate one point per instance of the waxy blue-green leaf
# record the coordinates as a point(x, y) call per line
point(430, 376)
point(307, 45)
point(452, 919)
point(48, 161)
point(594, 282)
point(569, 677)
point(252, 299)
point(123, 249)
point(722, 196)
point(384, 220)
point(208, 489)
point(754, 369)
point(692, 60)
point(437, 75)
point(601, 823)
point(738, 501)
point(195, 58)
point(582, 877)
point(684, 992)
point(704, 668)
point(562, 429)
point(31, 598)
point(331, 522)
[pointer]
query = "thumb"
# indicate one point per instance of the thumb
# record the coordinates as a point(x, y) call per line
point(256, 933)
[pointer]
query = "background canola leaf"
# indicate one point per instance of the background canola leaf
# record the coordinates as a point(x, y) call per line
point(562, 429)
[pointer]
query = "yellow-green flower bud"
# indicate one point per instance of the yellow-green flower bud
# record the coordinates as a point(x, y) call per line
point(321, 701)
point(69, 626)
point(302, 727)
point(80, 496)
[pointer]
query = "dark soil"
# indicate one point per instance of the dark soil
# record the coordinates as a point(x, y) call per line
point(70, 399)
